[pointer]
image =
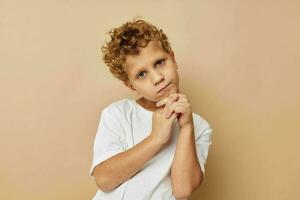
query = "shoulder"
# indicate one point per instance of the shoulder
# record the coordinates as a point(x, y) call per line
point(118, 107)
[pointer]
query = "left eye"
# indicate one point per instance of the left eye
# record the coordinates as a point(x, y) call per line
point(160, 62)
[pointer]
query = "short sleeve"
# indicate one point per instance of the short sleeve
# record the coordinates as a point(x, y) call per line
point(108, 140)
point(203, 133)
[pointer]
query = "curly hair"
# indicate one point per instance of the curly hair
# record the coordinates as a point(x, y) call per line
point(126, 40)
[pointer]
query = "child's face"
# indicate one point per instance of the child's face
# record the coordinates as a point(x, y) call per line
point(150, 71)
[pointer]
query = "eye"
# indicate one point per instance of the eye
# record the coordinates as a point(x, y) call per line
point(139, 75)
point(160, 62)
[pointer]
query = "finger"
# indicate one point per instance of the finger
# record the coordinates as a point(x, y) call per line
point(162, 102)
point(178, 97)
point(182, 96)
point(171, 101)
point(168, 110)
point(172, 97)
point(182, 100)
point(171, 109)
point(173, 116)
point(180, 109)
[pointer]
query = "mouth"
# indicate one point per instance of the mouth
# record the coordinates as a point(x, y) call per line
point(160, 90)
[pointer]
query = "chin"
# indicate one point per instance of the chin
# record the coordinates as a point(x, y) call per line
point(172, 91)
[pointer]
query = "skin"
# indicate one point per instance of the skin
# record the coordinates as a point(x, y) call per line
point(151, 70)
point(148, 72)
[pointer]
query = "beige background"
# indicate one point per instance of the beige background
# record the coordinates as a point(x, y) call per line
point(239, 66)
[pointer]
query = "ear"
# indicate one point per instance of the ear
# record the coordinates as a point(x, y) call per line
point(173, 56)
point(128, 84)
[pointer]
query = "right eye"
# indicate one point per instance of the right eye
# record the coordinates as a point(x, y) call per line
point(140, 75)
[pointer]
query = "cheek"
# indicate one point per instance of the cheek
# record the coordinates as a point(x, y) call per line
point(145, 88)
point(174, 75)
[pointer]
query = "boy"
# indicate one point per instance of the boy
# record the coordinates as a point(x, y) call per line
point(153, 148)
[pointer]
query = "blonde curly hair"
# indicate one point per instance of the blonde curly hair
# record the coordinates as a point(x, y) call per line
point(126, 40)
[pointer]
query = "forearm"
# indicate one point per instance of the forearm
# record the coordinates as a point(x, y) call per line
point(186, 174)
point(123, 166)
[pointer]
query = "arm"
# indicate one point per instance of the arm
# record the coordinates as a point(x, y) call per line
point(185, 169)
point(119, 168)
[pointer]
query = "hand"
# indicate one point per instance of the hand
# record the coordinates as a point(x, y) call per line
point(162, 126)
point(177, 103)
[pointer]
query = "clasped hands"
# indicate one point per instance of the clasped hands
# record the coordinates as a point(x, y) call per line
point(177, 103)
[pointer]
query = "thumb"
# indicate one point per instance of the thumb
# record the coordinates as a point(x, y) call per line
point(173, 116)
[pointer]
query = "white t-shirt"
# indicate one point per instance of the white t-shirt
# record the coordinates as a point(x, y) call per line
point(124, 124)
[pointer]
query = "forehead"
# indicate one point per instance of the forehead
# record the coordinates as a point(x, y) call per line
point(146, 57)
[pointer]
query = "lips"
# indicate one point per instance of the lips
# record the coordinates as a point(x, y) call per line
point(163, 87)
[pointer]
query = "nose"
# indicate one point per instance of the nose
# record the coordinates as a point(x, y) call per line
point(157, 77)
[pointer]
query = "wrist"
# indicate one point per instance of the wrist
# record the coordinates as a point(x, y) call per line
point(188, 126)
point(156, 141)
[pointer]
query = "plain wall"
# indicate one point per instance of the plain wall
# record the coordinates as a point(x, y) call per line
point(238, 64)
